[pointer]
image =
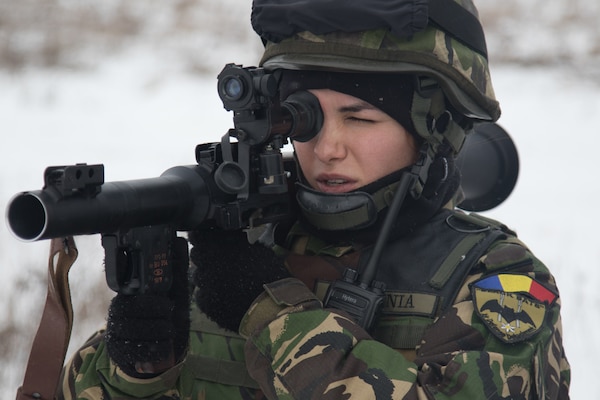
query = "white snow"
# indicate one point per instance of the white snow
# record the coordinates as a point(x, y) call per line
point(139, 120)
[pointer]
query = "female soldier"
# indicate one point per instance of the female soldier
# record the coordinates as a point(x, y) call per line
point(458, 308)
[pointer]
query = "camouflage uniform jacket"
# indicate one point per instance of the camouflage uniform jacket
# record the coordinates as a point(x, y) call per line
point(479, 317)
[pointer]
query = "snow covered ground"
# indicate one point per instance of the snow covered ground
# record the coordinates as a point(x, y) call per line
point(139, 120)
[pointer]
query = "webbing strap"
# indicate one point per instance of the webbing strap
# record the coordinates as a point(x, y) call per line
point(52, 338)
point(226, 372)
point(213, 368)
point(432, 108)
point(402, 333)
point(456, 256)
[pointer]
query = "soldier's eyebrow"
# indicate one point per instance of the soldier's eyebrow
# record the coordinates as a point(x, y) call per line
point(357, 107)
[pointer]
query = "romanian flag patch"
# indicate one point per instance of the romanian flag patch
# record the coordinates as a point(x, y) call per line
point(512, 306)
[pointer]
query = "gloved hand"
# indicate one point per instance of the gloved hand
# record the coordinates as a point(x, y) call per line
point(230, 273)
point(147, 334)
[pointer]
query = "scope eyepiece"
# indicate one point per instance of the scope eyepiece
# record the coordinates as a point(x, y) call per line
point(253, 95)
point(306, 114)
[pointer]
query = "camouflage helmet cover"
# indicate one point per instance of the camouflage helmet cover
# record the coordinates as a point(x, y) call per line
point(429, 50)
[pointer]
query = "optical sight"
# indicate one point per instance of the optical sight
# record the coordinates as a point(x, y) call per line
point(258, 112)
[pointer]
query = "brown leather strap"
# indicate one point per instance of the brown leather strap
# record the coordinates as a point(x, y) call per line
point(52, 339)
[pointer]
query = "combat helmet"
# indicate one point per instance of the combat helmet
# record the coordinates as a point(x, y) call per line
point(439, 41)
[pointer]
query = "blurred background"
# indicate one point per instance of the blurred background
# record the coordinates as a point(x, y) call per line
point(132, 84)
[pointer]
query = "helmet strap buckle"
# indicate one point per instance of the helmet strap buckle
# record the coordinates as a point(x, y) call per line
point(420, 169)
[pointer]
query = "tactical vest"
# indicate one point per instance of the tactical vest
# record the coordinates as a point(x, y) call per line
point(423, 273)
point(213, 361)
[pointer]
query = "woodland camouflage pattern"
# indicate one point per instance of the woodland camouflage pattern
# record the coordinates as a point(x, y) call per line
point(463, 73)
point(305, 352)
point(213, 369)
point(322, 355)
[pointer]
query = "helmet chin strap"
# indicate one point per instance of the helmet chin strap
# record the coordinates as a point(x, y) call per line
point(359, 209)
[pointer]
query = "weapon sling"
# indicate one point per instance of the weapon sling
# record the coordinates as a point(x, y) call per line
point(49, 347)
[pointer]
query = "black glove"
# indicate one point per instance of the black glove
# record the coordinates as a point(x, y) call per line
point(230, 273)
point(147, 334)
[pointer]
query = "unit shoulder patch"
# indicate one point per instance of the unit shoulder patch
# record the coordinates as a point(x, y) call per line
point(512, 306)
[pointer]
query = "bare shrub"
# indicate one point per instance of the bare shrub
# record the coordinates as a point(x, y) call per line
point(79, 34)
point(52, 33)
point(538, 32)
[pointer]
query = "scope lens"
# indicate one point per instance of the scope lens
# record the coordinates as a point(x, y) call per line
point(233, 88)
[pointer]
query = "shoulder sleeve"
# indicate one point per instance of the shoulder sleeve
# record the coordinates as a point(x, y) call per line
point(300, 352)
point(74, 375)
point(91, 375)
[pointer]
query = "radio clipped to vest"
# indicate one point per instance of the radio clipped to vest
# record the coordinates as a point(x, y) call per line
point(360, 295)
point(362, 301)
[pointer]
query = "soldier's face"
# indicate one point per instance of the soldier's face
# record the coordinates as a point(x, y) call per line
point(357, 145)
